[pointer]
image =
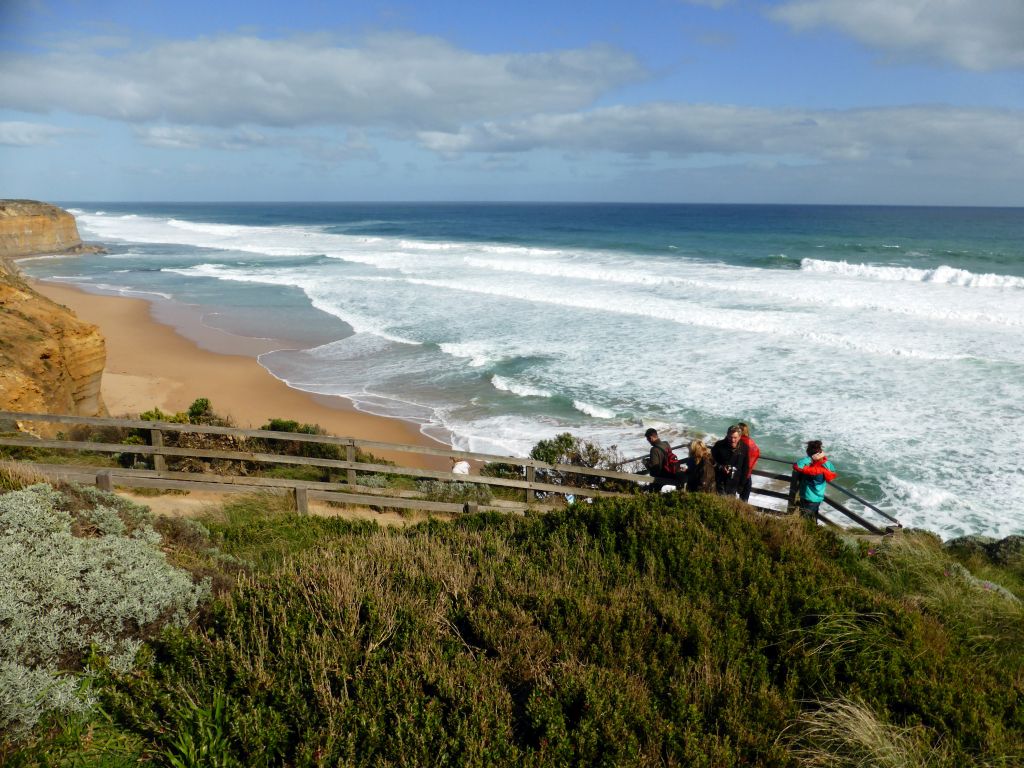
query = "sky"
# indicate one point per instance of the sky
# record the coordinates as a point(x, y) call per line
point(893, 102)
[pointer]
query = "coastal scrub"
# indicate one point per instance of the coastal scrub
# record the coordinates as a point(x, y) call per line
point(82, 574)
point(652, 631)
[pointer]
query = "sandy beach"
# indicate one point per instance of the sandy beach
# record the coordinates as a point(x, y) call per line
point(151, 365)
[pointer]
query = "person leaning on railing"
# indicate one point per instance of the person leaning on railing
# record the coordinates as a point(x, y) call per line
point(815, 471)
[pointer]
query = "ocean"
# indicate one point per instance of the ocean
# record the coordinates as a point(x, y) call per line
point(895, 335)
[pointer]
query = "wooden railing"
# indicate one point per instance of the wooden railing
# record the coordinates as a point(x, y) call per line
point(349, 492)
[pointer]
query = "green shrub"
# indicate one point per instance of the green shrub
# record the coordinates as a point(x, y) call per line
point(82, 572)
point(297, 448)
point(658, 631)
point(155, 414)
point(564, 448)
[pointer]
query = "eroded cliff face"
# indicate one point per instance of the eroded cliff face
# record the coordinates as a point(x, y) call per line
point(50, 361)
point(28, 227)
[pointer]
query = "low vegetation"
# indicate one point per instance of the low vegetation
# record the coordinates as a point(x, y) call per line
point(679, 630)
point(83, 575)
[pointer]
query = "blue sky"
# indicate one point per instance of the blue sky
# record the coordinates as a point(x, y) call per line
point(810, 101)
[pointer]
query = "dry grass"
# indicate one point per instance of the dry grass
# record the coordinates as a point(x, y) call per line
point(845, 733)
point(988, 616)
point(14, 476)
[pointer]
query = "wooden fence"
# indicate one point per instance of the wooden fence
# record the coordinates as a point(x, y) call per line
point(351, 491)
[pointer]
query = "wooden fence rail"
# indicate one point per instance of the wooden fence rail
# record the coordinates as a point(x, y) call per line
point(348, 492)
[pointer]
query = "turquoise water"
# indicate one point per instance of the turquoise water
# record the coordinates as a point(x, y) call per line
point(893, 334)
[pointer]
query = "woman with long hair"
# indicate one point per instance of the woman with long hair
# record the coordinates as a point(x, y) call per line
point(700, 468)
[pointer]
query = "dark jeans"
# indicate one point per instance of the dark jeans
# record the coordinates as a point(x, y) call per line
point(809, 509)
point(745, 488)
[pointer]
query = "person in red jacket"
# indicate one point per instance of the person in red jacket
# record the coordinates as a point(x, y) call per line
point(753, 454)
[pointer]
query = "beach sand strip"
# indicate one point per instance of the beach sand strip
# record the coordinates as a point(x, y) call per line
point(151, 365)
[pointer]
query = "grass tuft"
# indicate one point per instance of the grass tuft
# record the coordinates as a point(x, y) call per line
point(846, 733)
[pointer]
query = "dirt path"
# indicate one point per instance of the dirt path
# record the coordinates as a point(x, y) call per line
point(200, 503)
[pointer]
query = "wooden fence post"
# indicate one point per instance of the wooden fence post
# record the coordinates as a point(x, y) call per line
point(301, 500)
point(104, 482)
point(531, 476)
point(156, 439)
point(350, 455)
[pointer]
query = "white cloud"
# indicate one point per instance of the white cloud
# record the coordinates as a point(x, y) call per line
point(171, 137)
point(20, 134)
point(408, 81)
point(354, 145)
point(985, 139)
point(974, 34)
point(191, 137)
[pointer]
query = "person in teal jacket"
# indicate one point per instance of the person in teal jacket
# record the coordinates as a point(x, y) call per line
point(815, 471)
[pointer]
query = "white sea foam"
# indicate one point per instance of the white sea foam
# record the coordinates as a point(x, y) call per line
point(942, 274)
point(845, 342)
point(122, 291)
point(688, 309)
point(47, 257)
point(220, 230)
point(593, 410)
point(479, 354)
point(516, 388)
point(583, 271)
point(359, 323)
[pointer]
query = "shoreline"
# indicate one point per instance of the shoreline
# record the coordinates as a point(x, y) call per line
point(151, 364)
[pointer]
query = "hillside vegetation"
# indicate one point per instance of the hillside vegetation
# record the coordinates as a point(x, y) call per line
point(660, 630)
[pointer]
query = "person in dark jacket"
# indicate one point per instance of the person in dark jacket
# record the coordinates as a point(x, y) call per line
point(731, 462)
point(700, 468)
point(655, 463)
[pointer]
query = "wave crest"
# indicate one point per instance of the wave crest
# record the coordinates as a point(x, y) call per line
point(941, 274)
point(523, 390)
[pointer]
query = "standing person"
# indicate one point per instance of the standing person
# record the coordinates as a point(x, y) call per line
point(662, 463)
point(753, 454)
point(816, 471)
point(700, 468)
point(730, 455)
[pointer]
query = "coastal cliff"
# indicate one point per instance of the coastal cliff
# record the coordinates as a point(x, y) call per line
point(50, 361)
point(28, 227)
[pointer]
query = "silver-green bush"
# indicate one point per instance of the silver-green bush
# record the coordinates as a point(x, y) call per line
point(81, 573)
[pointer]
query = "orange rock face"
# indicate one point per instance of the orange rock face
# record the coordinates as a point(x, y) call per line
point(28, 227)
point(50, 361)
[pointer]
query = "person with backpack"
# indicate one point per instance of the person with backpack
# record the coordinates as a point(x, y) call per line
point(663, 464)
point(731, 462)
